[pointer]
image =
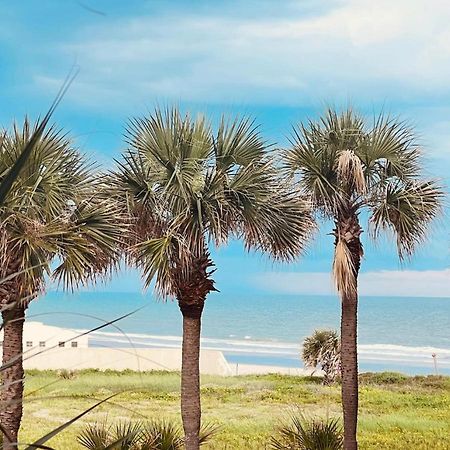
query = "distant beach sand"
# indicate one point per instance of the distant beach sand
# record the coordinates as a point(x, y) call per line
point(212, 362)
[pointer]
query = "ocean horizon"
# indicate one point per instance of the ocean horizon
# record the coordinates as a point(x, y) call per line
point(395, 333)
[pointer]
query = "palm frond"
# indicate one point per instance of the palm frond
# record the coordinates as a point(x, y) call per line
point(407, 209)
point(88, 245)
point(182, 188)
point(238, 143)
point(125, 435)
point(343, 269)
point(10, 177)
point(391, 150)
point(303, 433)
point(52, 211)
point(156, 258)
point(161, 435)
point(344, 166)
point(95, 436)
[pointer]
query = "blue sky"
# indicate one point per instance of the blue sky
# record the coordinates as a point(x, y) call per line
point(280, 62)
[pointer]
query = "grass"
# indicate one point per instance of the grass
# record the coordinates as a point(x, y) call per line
point(396, 412)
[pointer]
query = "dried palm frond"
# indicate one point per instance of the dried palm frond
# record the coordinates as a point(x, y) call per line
point(350, 171)
point(343, 269)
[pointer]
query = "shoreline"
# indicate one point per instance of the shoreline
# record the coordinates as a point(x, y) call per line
point(212, 362)
point(219, 356)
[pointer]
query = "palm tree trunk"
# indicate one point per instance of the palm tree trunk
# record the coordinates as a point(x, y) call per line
point(349, 230)
point(190, 374)
point(349, 370)
point(12, 376)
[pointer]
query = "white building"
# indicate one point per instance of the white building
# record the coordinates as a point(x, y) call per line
point(36, 335)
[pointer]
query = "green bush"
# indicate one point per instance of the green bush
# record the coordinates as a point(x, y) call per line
point(308, 434)
point(127, 435)
point(384, 378)
point(66, 374)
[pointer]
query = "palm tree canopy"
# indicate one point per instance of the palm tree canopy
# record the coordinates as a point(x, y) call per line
point(346, 165)
point(185, 186)
point(53, 214)
point(322, 344)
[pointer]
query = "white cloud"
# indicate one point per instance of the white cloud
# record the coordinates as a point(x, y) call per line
point(387, 283)
point(361, 48)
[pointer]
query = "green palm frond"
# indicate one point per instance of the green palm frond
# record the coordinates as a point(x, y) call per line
point(183, 186)
point(280, 225)
point(10, 176)
point(161, 435)
point(303, 433)
point(407, 209)
point(157, 434)
point(54, 210)
point(156, 257)
point(238, 142)
point(88, 245)
point(314, 156)
point(391, 150)
point(95, 436)
point(126, 435)
point(345, 165)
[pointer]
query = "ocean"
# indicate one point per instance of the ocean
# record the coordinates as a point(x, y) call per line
point(394, 334)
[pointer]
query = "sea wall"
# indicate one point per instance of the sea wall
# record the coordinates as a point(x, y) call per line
point(212, 362)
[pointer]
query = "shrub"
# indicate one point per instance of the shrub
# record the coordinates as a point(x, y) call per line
point(384, 378)
point(308, 434)
point(152, 435)
point(66, 374)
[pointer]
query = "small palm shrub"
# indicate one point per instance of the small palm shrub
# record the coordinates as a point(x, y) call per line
point(323, 350)
point(66, 374)
point(161, 435)
point(127, 435)
point(96, 436)
point(308, 434)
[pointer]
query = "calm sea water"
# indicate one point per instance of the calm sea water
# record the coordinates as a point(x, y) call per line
point(394, 333)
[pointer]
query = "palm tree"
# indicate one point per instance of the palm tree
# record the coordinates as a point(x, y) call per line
point(184, 188)
point(345, 167)
point(52, 223)
point(323, 349)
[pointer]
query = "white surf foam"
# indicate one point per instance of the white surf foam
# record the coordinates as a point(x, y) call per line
point(367, 352)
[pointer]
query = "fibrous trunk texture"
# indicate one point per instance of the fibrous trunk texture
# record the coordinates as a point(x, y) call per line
point(348, 230)
point(12, 375)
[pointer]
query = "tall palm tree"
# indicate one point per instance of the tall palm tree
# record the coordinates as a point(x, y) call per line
point(186, 187)
point(52, 223)
point(345, 167)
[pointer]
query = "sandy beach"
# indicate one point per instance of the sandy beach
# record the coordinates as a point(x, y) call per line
point(212, 362)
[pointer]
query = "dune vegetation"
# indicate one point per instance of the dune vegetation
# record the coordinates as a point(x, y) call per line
point(395, 411)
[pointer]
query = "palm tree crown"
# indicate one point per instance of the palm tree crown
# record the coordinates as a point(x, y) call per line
point(323, 350)
point(346, 166)
point(185, 186)
point(53, 212)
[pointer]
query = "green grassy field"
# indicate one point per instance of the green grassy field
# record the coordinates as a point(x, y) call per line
point(396, 412)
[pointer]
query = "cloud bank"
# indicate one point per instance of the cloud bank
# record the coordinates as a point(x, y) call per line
point(383, 283)
point(398, 50)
